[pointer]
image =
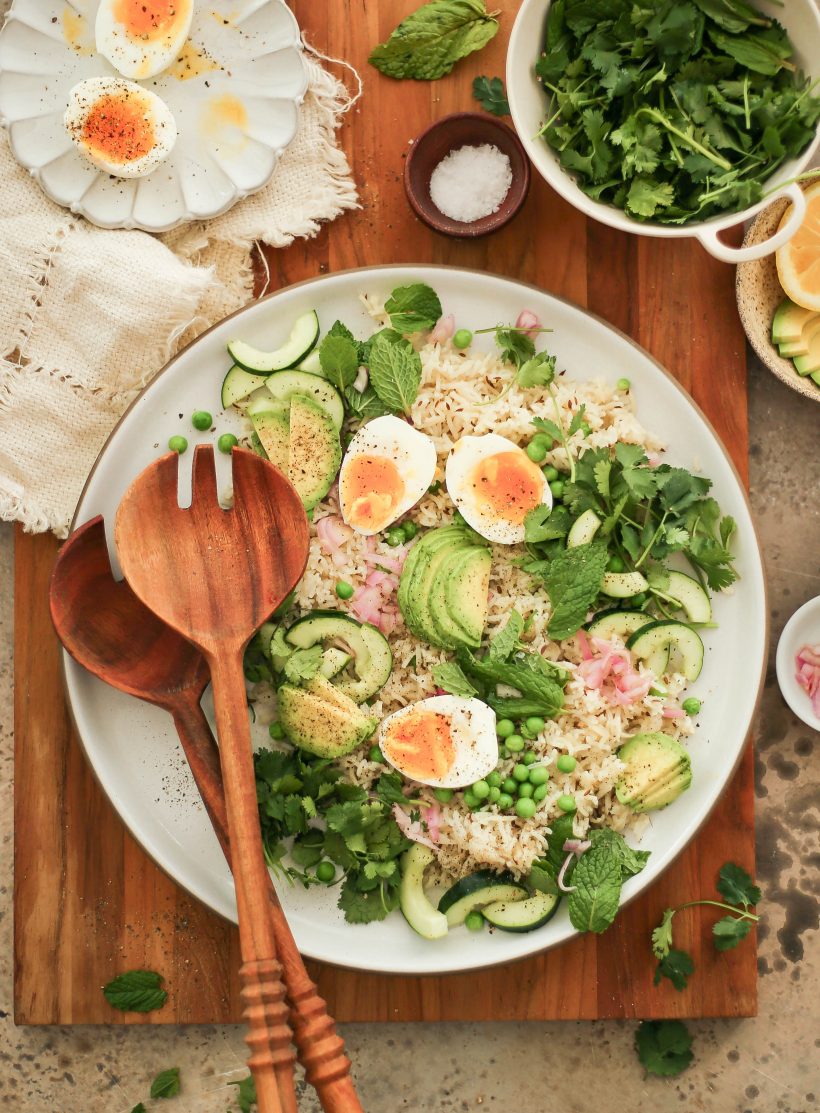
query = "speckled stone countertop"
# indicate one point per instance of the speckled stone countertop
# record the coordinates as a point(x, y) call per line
point(767, 1065)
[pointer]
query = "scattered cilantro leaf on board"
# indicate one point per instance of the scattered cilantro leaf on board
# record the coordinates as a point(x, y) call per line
point(736, 886)
point(573, 582)
point(339, 357)
point(429, 41)
point(490, 94)
point(662, 934)
point(139, 1108)
point(677, 967)
point(413, 308)
point(664, 1047)
point(136, 991)
point(303, 664)
point(166, 1084)
point(245, 1093)
point(450, 676)
point(395, 372)
point(730, 931)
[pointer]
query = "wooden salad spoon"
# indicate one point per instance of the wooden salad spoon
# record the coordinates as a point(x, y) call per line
point(112, 634)
point(215, 575)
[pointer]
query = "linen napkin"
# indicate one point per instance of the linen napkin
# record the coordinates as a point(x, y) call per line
point(88, 316)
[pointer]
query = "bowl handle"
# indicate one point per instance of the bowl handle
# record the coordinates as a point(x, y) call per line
point(726, 254)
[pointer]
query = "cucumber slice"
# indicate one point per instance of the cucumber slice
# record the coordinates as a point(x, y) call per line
point(284, 385)
point(618, 622)
point(623, 585)
point(371, 653)
point(238, 384)
point(303, 337)
point(691, 596)
point(377, 673)
point(522, 915)
point(675, 637)
point(476, 891)
point(311, 364)
point(333, 661)
point(583, 529)
point(418, 911)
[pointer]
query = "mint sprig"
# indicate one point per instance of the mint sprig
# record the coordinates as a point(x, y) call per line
point(428, 42)
point(166, 1084)
point(136, 991)
point(413, 308)
point(395, 372)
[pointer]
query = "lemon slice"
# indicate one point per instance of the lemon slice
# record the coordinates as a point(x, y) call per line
point(798, 261)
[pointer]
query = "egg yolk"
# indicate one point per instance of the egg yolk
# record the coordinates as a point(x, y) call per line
point(421, 745)
point(149, 19)
point(373, 489)
point(507, 485)
point(117, 128)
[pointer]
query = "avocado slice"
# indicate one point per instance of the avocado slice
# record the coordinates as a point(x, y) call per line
point(658, 769)
point(315, 451)
point(802, 346)
point(810, 362)
point(271, 424)
point(466, 593)
point(414, 585)
point(321, 720)
point(789, 321)
point(443, 568)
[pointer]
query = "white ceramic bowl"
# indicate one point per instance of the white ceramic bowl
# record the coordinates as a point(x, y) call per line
point(803, 628)
point(801, 18)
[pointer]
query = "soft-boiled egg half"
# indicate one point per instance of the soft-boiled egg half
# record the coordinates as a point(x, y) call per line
point(387, 468)
point(447, 741)
point(495, 484)
point(120, 127)
point(142, 37)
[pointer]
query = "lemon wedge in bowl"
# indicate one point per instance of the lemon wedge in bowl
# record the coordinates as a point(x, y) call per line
point(798, 261)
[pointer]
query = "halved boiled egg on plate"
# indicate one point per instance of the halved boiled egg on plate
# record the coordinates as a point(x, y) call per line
point(140, 38)
point(387, 468)
point(447, 741)
point(120, 127)
point(495, 485)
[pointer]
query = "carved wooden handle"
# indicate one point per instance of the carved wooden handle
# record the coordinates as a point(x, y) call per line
point(266, 1015)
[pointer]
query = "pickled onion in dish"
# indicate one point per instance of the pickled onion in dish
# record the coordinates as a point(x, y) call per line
point(528, 321)
point(443, 330)
point(410, 829)
point(807, 663)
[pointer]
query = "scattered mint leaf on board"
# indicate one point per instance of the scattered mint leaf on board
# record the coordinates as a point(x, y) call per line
point(395, 372)
point(736, 886)
point(451, 678)
point(245, 1094)
point(428, 42)
point(136, 991)
point(413, 308)
point(490, 94)
point(573, 582)
point(730, 931)
point(664, 1047)
point(677, 966)
point(166, 1084)
point(339, 357)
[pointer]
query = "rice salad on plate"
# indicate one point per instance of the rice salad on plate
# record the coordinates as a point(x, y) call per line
point(478, 687)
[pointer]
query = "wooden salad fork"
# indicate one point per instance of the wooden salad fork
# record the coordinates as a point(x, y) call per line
point(214, 576)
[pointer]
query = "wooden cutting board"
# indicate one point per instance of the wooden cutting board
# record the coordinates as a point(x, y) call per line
point(90, 904)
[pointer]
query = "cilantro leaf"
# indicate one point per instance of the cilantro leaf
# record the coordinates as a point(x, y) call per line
point(339, 357)
point(577, 420)
point(390, 789)
point(764, 52)
point(489, 92)
point(646, 196)
point(364, 404)
point(303, 664)
point(365, 906)
point(428, 42)
point(736, 886)
point(663, 1047)
point(538, 371)
point(730, 931)
point(677, 966)
point(136, 991)
point(506, 641)
point(451, 678)
point(245, 1094)
point(166, 1084)
point(662, 934)
point(594, 902)
point(139, 1108)
point(515, 345)
point(395, 372)
point(413, 308)
point(544, 523)
point(573, 582)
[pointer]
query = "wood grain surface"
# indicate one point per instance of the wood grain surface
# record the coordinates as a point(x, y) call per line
point(89, 903)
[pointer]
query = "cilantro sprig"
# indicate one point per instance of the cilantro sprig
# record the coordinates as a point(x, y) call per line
point(490, 94)
point(664, 1047)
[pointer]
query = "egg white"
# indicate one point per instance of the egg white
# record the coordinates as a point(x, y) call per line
point(413, 453)
point(465, 456)
point(81, 100)
point(136, 56)
point(472, 728)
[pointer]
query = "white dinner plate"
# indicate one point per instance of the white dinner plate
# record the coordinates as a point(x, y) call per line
point(234, 92)
point(133, 747)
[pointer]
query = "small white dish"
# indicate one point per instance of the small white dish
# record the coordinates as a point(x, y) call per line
point(803, 628)
point(234, 91)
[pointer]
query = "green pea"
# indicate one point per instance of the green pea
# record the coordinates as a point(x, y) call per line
point(557, 488)
point(525, 808)
point(276, 730)
point(481, 790)
point(615, 564)
point(623, 384)
point(470, 799)
point(539, 775)
point(567, 803)
point(474, 921)
point(691, 706)
point(226, 443)
point(495, 792)
point(551, 473)
point(463, 338)
point(526, 789)
point(343, 589)
point(326, 872)
point(395, 537)
point(376, 755)
point(178, 444)
point(410, 530)
point(540, 792)
point(443, 795)
point(504, 728)
point(530, 757)
point(493, 779)
point(639, 599)
point(536, 724)
point(510, 786)
point(201, 420)
point(515, 743)
point(566, 763)
point(503, 752)
point(520, 773)
point(536, 452)
point(504, 801)
point(543, 441)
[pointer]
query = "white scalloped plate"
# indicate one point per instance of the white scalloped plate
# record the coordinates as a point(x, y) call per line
point(235, 93)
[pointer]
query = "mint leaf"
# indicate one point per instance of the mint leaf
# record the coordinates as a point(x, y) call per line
point(631, 861)
point(663, 1047)
point(166, 1084)
point(562, 829)
point(413, 308)
point(594, 902)
point(506, 641)
point(730, 931)
point(573, 581)
point(245, 1094)
point(303, 664)
point(428, 42)
point(136, 991)
point(339, 357)
point(451, 678)
point(395, 373)
point(677, 966)
point(540, 682)
point(489, 92)
point(736, 886)
point(662, 934)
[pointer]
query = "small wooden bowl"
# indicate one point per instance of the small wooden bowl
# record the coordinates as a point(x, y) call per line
point(464, 129)
point(759, 293)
